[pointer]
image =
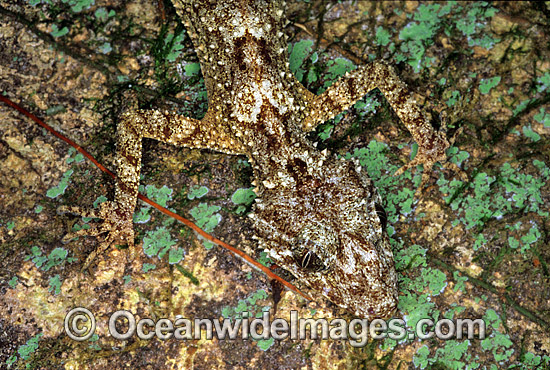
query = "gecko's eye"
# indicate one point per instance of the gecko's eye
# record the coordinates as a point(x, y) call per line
point(311, 261)
point(381, 212)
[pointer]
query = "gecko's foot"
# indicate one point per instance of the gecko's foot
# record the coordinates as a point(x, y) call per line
point(428, 163)
point(116, 223)
point(428, 159)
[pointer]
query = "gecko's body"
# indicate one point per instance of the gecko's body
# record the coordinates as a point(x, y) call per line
point(318, 217)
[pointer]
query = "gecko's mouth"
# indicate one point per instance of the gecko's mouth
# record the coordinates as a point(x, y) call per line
point(363, 278)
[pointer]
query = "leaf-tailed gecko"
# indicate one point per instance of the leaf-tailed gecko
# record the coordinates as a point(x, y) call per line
point(319, 217)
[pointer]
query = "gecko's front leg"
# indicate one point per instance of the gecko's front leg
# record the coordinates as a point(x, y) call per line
point(135, 125)
point(356, 84)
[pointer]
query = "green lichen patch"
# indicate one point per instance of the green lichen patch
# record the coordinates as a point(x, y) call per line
point(381, 170)
point(159, 242)
point(543, 117)
point(13, 282)
point(25, 351)
point(250, 308)
point(489, 197)
point(59, 189)
point(486, 85)
point(197, 192)
point(57, 257)
point(243, 198)
point(55, 285)
point(159, 195)
point(148, 267)
point(207, 219)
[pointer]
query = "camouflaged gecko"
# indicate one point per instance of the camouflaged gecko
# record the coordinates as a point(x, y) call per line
point(318, 217)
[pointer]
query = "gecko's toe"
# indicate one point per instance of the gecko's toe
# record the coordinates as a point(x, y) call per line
point(460, 172)
point(115, 224)
point(93, 231)
point(84, 212)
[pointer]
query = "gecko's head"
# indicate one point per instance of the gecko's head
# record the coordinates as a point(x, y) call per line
point(329, 230)
point(352, 269)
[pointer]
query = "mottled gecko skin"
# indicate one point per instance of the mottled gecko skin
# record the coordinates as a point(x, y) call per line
point(318, 217)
